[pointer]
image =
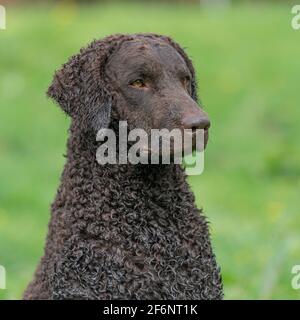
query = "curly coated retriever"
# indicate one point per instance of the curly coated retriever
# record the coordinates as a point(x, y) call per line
point(123, 231)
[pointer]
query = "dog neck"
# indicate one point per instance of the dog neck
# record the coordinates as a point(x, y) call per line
point(92, 194)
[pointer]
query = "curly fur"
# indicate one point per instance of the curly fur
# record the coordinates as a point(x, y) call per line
point(119, 231)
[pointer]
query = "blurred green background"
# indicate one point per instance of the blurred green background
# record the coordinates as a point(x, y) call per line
point(247, 58)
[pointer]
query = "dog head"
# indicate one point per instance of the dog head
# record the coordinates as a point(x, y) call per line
point(145, 79)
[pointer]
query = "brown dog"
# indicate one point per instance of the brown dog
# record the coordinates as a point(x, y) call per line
point(125, 231)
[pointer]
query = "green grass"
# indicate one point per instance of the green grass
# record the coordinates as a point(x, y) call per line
point(248, 65)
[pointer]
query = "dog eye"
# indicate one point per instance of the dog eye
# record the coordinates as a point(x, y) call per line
point(139, 83)
point(186, 80)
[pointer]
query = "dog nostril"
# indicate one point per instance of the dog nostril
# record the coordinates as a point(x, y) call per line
point(196, 122)
point(205, 124)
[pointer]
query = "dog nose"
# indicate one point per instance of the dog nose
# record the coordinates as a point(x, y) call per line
point(194, 122)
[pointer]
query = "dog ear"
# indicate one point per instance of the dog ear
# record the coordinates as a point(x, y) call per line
point(79, 90)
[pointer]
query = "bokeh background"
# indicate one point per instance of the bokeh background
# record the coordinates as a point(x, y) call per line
point(247, 58)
